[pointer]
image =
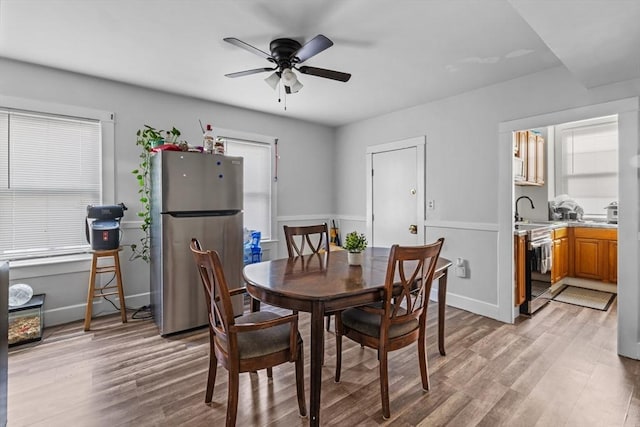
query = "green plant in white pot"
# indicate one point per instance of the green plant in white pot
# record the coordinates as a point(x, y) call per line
point(355, 243)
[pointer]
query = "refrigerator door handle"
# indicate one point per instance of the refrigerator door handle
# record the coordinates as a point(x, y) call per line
point(197, 214)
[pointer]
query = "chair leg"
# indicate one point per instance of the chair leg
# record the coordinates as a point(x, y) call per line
point(384, 384)
point(328, 322)
point(338, 348)
point(424, 363)
point(269, 372)
point(302, 404)
point(232, 397)
point(211, 379)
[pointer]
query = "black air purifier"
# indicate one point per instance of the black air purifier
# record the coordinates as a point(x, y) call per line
point(103, 226)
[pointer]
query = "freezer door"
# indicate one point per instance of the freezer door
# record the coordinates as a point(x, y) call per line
point(185, 181)
point(178, 300)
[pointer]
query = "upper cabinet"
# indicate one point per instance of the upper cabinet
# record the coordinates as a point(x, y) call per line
point(528, 158)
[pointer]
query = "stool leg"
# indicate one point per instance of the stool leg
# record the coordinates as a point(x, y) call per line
point(123, 307)
point(90, 293)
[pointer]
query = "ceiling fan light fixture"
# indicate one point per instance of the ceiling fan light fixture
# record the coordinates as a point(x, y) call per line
point(288, 77)
point(273, 80)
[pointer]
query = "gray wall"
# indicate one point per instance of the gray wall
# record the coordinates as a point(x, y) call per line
point(301, 191)
point(463, 177)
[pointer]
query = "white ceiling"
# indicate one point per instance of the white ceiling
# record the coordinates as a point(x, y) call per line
point(400, 53)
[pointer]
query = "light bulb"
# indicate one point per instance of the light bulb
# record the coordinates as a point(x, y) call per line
point(288, 77)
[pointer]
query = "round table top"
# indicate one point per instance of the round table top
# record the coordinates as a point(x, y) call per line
point(323, 276)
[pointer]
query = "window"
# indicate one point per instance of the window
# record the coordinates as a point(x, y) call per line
point(588, 166)
point(50, 170)
point(258, 182)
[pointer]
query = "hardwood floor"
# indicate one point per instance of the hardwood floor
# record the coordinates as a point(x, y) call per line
point(559, 368)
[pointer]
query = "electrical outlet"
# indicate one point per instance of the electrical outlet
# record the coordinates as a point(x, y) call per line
point(431, 204)
point(461, 268)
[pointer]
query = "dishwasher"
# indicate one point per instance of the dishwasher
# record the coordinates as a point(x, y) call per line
point(538, 270)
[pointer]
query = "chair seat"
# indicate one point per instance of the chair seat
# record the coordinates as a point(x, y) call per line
point(264, 341)
point(369, 323)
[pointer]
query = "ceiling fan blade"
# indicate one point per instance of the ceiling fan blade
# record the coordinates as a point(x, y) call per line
point(249, 72)
point(312, 48)
point(327, 74)
point(234, 41)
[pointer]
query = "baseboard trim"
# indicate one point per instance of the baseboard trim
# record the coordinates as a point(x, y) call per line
point(478, 307)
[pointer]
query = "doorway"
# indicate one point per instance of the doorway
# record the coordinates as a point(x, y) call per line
point(628, 275)
point(395, 193)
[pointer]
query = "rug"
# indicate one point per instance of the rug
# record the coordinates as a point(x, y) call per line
point(590, 298)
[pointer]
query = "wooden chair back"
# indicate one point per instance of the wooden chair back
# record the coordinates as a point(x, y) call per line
point(410, 272)
point(216, 290)
point(315, 237)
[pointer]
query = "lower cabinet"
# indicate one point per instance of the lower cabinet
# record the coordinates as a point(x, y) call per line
point(613, 262)
point(595, 254)
point(560, 264)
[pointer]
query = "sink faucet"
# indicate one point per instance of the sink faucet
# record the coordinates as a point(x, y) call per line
point(518, 217)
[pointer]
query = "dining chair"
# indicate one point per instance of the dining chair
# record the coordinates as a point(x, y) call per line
point(315, 237)
point(400, 318)
point(247, 343)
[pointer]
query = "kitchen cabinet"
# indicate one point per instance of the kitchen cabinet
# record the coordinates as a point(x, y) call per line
point(595, 253)
point(520, 248)
point(560, 264)
point(613, 262)
point(528, 158)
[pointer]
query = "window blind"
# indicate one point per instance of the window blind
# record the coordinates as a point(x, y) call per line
point(589, 171)
point(50, 171)
point(257, 183)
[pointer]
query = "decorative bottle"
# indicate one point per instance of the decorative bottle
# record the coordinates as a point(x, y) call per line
point(208, 140)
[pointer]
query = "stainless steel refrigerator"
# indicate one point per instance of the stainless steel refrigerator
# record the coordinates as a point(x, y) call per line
point(192, 195)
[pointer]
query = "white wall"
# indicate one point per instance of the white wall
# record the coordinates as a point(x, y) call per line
point(464, 162)
point(303, 189)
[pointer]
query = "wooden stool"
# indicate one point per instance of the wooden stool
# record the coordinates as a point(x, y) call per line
point(98, 292)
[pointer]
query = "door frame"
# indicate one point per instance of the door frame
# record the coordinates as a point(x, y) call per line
point(628, 111)
point(419, 142)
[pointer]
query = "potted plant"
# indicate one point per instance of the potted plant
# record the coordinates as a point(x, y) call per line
point(355, 243)
point(148, 138)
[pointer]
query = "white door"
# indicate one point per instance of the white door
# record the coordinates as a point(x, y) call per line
point(397, 193)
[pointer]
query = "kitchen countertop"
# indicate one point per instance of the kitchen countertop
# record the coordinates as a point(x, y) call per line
point(528, 225)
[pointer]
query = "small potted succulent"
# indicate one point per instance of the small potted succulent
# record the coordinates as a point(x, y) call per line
point(355, 243)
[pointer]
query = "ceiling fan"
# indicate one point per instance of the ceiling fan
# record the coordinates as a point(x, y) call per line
point(287, 55)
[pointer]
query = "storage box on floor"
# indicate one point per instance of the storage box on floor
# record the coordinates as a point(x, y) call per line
point(252, 249)
point(26, 321)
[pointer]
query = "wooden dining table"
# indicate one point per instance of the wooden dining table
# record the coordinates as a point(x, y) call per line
point(325, 283)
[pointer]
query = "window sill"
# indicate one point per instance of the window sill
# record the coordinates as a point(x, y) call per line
point(50, 260)
point(50, 266)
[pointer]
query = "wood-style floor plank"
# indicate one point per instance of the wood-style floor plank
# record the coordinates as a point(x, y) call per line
point(558, 368)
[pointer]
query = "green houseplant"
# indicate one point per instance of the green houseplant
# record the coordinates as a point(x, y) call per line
point(147, 138)
point(355, 243)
